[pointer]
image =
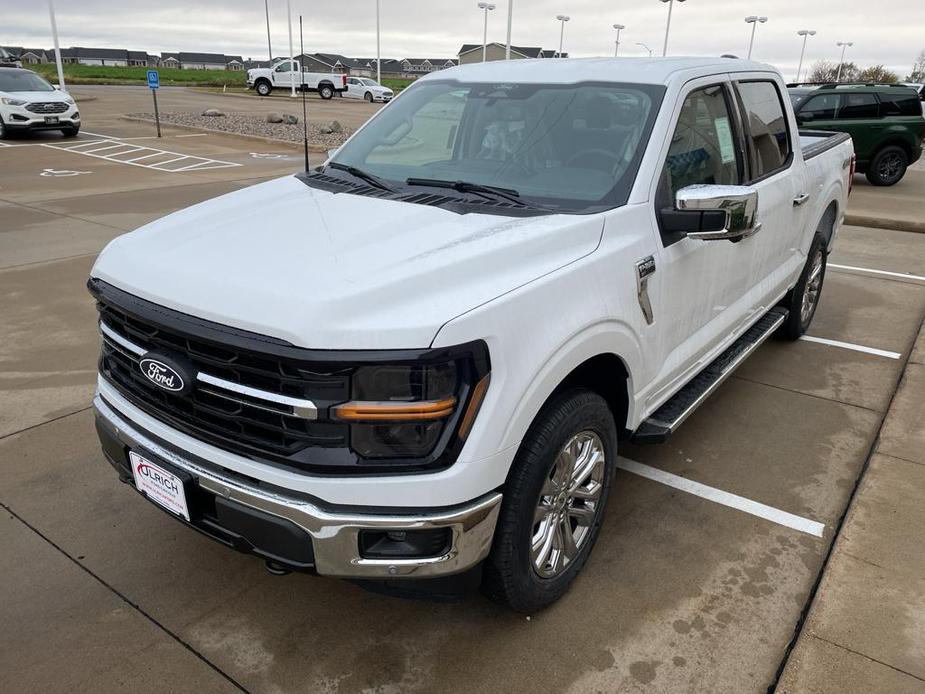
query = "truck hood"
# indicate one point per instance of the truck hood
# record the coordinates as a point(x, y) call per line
point(337, 271)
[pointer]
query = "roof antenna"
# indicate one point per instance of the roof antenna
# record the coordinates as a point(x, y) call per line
point(302, 87)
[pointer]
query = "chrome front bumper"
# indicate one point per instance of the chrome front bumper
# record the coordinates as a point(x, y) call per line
point(335, 535)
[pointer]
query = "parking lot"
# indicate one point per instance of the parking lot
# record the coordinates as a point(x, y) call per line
point(711, 552)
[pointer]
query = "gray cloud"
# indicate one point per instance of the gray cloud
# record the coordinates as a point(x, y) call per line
point(890, 34)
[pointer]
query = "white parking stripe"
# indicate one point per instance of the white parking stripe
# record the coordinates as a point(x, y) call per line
point(789, 520)
point(881, 273)
point(188, 162)
point(852, 346)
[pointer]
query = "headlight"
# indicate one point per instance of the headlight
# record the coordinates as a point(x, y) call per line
point(69, 100)
point(413, 410)
point(9, 101)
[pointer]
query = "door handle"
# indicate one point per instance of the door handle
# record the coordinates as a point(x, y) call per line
point(800, 199)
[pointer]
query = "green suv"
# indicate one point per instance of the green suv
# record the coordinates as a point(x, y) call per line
point(884, 120)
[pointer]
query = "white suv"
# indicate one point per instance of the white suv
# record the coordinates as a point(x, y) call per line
point(28, 102)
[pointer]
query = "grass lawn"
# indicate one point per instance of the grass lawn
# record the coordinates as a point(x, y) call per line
point(107, 74)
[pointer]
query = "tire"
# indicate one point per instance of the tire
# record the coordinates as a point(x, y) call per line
point(70, 131)
point(516, 574)
point(803, 300)
point(4, 133)
point(326, 91)
point(263, 88)
point(368, 96)
point(888, 166)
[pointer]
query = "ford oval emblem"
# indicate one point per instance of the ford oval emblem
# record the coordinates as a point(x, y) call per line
point(161, 374)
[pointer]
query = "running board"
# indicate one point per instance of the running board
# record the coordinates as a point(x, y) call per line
point(667, 418)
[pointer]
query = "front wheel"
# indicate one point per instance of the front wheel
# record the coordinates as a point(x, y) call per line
point(369, 97)
point(263, 88)
point(326, 91)
point(3, 131)
point(70, 130)
point(803, 299)
point(554, 501)
point(888, 166)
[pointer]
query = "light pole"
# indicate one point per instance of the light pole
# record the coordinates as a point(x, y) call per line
point(616, 44)
point(487, 7)
point(844, 46)
point(646, 47)
point(754, 20)
point(291, 57)
point(266, 7)
point(54, 35)
point(805, 33)
point(668, 25)
point(510, 19)
point(378, 56)
point(562, 20)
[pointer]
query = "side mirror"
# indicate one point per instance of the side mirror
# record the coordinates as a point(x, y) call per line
point(804, 117)
point(715, 212)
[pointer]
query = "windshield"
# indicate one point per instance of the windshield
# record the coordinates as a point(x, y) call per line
point(572, 147)
point(371, 83)
point(797, 97)
point(22, 81)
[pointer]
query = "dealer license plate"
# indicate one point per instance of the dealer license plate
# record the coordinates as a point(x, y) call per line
point(159, 485)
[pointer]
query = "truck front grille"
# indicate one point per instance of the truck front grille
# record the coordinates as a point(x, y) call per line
point(241, 400)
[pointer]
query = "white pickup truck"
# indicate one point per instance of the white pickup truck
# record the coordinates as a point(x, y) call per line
point(282, 75)
point(418, 360)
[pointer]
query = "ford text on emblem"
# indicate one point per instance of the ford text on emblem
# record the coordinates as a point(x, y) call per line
point(160, 374)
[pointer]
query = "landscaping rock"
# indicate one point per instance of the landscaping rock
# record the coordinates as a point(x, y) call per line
point(274, 118)
point(212, 113)
point(290, 119)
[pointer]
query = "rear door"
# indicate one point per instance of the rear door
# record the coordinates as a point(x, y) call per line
point(859, 116)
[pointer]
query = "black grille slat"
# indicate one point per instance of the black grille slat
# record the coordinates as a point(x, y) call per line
point(47, 107)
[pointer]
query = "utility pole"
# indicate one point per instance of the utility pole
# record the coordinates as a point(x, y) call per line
point(378, 56)
point(266, 7)
point(510, 18)
point(292, 57)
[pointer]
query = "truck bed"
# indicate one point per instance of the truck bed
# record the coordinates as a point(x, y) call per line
point(815, 142)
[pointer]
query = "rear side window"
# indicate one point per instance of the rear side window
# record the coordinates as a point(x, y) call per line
point(822, 107)
point(769, 143)
point(854, 106)
point(900, 105)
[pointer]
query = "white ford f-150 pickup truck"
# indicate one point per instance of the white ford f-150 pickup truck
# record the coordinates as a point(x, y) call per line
point(285, 73)
point(418, 360)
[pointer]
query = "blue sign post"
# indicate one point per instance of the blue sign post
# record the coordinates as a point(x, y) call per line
point(154, 83)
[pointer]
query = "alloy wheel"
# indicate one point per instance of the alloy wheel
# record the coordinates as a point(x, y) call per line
point(569, 504)
point(812, 288)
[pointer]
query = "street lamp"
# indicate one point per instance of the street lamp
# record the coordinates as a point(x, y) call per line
point(616, 44)
point(510, 19)
point(646, 47)
point(562, 20)
point(378, 56)
point(844, 45)
point(668, 25)
point(754, 20)
point(291, 57)
point(487, 7)
point(805, 33)
point(266, 7)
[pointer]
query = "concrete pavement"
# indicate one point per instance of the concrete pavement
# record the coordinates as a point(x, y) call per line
point(899, 207)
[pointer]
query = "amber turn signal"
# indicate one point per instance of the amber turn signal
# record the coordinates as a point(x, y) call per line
point(365, 411)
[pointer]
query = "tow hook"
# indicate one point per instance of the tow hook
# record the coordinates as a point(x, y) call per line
point(275, 568)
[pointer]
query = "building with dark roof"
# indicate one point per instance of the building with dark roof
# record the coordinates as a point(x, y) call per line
point(472, 52)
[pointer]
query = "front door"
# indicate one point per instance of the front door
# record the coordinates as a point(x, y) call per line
point(700, 284)
point(283, 74)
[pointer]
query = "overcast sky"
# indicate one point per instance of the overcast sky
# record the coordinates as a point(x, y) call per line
point(891, 32)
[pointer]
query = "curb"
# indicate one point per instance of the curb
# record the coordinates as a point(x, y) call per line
point(909, 225)
point(318, 149)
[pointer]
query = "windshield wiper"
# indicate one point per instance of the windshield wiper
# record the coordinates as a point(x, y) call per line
point(359, 173)
point(467, 187)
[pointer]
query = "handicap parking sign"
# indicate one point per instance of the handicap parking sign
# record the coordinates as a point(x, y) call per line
point(154, 81)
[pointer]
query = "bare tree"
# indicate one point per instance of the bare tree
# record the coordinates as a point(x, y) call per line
point(877, 73)
point(918, 69)
point(827, 71)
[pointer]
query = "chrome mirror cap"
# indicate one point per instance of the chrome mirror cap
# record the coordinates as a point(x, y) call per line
point(740, 203)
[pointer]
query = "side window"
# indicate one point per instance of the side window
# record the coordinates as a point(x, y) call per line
point(769, 142)
point(900, 105)
point(854, 106)
point(821, 107)
point(703, 148)
point(284, 67)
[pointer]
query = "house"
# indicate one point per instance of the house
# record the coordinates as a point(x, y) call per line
point(415, 67)
point(137, 58)
point(472, 52)
point(95, 56)
point(202, 61)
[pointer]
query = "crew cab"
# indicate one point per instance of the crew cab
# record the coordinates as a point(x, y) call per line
point(420, 359)
point(29, 103)
point(284, 73)
point(368, 89)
